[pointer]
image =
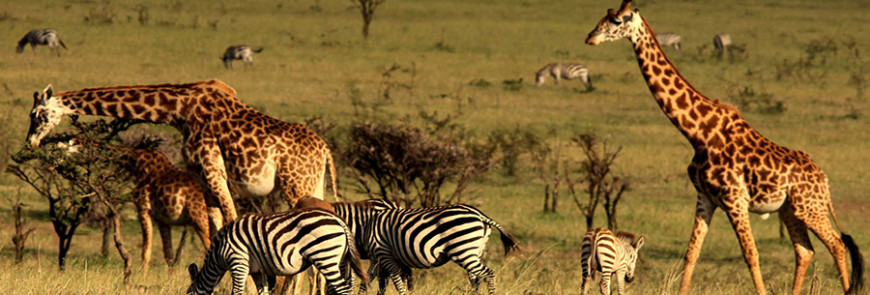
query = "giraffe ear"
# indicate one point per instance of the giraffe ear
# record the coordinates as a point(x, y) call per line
point(46, 94)
point(193, 271)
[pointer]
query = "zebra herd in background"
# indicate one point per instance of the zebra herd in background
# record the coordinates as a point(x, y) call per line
point(571, 71)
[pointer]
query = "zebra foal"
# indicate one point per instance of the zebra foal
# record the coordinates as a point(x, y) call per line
point(567, 71)
point(400, 239)
point(607, 253)
point(41, 37)
point(285, 244)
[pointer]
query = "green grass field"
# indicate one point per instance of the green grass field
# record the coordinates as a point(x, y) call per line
point(315, 61)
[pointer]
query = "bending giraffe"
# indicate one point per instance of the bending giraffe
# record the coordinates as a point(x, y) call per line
point(231, 145)
point(735, 168)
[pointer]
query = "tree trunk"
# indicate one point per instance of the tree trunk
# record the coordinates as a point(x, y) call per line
point(64, 242)
point(107, 237)
point(546, 197)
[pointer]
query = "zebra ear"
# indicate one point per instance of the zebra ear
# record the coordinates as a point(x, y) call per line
point(638, 243)
point(193, 271)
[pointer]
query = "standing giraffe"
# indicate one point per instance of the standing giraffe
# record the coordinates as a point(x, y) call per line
point(171, 196)
point(229, 143)
point(735, 168)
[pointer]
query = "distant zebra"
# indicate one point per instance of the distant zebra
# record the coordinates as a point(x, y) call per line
point(567, 71)
point(283, 244)
point(608, 253)
point(240, 52)
point(400, 239)
point(669, 39)
point(722, 43)
point(41, 37)
point(356, 214)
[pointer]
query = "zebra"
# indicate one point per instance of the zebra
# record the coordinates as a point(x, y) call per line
point(284, 244)
point(722, 43)
point(608, 253)
point(567, 71)
point(240, 52)
point(41, 37)
point(356, 214)
point(400, 239)
point(669, 39)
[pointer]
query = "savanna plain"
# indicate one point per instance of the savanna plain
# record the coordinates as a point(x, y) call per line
point(801, 80)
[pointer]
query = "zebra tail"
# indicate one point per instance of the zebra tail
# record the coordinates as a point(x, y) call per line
point(352, 256)
point(61, 43)
point(21, 44)
point(258, 50)
point(510, 243)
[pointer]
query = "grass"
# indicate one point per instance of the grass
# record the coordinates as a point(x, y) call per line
point(313, 58)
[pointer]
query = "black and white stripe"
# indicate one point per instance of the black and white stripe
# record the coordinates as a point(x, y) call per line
point(567, 71)
point(669, 39)
point(41, 37)
point(239, 52)
point(608, 253)
point(721, 42)
point(287, 243)
point(401, 239)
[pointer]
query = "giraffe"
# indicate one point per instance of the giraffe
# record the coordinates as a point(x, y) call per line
point(735, 168)
point(169, 195)
point(231, 145)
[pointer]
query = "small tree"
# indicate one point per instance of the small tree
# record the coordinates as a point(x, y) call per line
point(407, 166)
point(77, 178)
point(22, 232)
point(600, 183)
point(367, 10)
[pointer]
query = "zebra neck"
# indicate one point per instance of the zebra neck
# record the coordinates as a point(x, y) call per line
point(686, 107)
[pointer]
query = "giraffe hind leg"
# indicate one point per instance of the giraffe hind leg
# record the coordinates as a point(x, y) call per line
point(822, 228)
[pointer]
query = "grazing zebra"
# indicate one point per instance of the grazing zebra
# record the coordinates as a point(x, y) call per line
point(400, 239)
point(567, 71)
point(722, 43)
point(669, 39)
point(356, 214)
point(40, 37)
point(240, 52)
point(608, 253)
point(285, 244)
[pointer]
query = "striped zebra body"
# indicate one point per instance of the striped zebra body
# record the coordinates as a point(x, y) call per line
point(401, 239)
point(669, 39)
point(607, 253)
point(41, 37)
point(285, 244)
point(567, 71)
point(239, 52)
point(721, 42)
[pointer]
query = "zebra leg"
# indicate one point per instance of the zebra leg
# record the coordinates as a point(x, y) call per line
point(620, 282)
point(476, 268)
point(239, 272)
point(260, 282)
point(395, 273)
point(383, 274)
point(604, 284)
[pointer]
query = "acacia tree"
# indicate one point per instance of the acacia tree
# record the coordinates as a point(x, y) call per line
point(596, 173)
point(367, 10)
point(76, 178)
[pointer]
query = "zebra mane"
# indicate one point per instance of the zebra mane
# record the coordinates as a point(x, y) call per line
point(626, 237)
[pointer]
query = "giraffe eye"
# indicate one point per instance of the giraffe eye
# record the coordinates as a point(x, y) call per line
point(614, 21)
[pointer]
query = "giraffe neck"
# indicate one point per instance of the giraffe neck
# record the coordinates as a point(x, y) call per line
point(691, 112)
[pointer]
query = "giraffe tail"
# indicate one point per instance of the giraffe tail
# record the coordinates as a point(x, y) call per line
point(857, 277)
point(331, 162)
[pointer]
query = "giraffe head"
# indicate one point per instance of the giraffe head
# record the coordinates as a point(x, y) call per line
point(617, 24)
point(46, 113)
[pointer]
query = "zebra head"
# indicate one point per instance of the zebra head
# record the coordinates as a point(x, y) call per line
point(615, 25)
point(197, 286)
point(632, 253)
point(46, 113)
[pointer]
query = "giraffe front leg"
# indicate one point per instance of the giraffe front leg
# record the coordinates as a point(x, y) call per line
point(144, 208)
point(215, 176)
point(703, 216)
point(738, 214)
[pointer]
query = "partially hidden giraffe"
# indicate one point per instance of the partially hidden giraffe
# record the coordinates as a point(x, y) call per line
point(735, 168)
point(171, 196)
point(231, 145)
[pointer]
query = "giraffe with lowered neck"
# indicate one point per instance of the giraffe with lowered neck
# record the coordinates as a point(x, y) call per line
point(233, 146)
point(735, 168)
